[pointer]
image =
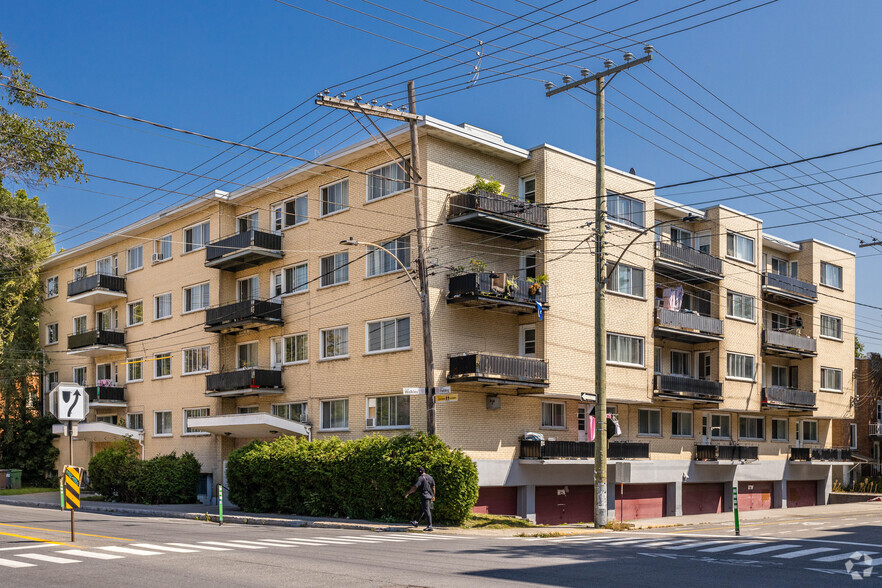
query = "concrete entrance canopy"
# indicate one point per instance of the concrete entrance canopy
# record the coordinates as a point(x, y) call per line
point(98, 431)
point(249, 426)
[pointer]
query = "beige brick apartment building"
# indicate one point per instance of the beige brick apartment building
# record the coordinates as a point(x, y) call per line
point(240, 316)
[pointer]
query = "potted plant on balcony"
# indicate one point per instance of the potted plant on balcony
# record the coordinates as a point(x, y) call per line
point(537, 283)
point(489, 186)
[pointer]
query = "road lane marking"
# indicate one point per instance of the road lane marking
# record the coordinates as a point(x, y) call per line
point(841, 556)
point(163, 548)
point(766, 549)
point(92, 554)
point(59, 531)
point(129, 550)
point(48, 558)
point(804, 552)
point(242, 545)
point(728, 547)
point(36, 539)
point(15, 564)
point(37, 546)
point(304, 542)
point(338, 539)
point(691, 545)
point(206, 547)
point(371, 538)
point(662, 543)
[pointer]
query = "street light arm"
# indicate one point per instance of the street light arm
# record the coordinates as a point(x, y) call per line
point(351, 241)
point(690, 218)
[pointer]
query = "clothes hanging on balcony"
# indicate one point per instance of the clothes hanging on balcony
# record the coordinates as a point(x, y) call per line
point(590, 428)
point(673, 298)
point(615, 422)
point(539, 309)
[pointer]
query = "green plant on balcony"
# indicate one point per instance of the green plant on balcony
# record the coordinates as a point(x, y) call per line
point(489, 185)
point(537, 283)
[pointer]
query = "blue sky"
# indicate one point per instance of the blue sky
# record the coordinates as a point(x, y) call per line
point(799, 70)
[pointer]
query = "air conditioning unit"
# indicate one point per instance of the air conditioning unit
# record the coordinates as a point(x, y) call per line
point(494, 403)
point(157, 257)
point(303, 418)
point(369, 423)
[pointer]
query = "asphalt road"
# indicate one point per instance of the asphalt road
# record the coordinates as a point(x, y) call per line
point(138, 551)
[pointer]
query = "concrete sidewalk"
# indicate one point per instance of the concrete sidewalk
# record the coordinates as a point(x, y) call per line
point(51, 500)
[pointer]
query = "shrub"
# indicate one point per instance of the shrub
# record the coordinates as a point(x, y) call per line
point(112, 471)
point(365, 478)
point(118, 474)
point(26, 444)
point(488, 185)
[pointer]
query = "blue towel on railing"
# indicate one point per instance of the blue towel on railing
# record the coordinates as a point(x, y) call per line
point(539, 309)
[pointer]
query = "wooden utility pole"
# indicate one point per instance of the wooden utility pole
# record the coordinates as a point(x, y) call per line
point(415, 181)
point(600, 439)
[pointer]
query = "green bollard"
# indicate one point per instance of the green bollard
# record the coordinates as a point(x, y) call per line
point(220, 503)
point(61, 491)
point(735, 505)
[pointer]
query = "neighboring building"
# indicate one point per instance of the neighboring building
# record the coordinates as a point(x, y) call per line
point(862, 433)
point(241, 316)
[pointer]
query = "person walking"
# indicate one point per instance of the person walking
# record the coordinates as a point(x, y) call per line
point(425, 485)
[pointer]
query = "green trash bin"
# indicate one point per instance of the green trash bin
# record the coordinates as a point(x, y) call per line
point(14, 478)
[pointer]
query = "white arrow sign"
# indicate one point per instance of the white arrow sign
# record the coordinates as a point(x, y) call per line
point(73, 402)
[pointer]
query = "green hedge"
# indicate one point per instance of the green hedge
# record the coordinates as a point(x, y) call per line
point(118, 474)
point(363, 479)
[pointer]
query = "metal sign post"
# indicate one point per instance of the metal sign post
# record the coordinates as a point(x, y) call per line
point(735, 508)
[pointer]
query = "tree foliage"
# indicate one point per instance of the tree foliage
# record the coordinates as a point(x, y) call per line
point(26, 444)
point(858, 348)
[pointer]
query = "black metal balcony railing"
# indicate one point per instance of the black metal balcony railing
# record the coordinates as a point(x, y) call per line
point(499, 369)
point(106, 394)
point(479, 210)
point(242, 314)
point(96, 282)
point(783, 340)
point(779, 396)
point(726, 453)
point(244, 241)
point(790, 285)
point(96, 337)
point(691, 258)
point(581, 450)
point(498, 287)
point(245, 379)
point(688, 321)
point(689, 387)
point(800, 454)
point(832, 454)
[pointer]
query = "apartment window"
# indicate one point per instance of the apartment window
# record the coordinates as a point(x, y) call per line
point(293, 411)
point(79, 324)
point(196, 237)
point(246, 355)
point(248, 289)
point(106, 418)
point(626, 279)
point(162, 306)
point(107, 266)
point(51, 381)
point(291, 212)
point(162, 248)
point(80, 272)
point(780, 376)
point(739, 366)
point(831, 275)
point(751, 428)
point(528, 189)
point(134, 369)
point(740, 306)
point(628, 211)
point(831, 327)
point(161, 365)
point(196, 297)
point(195, 360)
point(335, 197)
point(779, 266)
point(739, 247)
point(290, 279)
point(162, 423)
point(106, 319)
point(680, 361)
point(624, 349)
point(135, 258)
point(52, 287)
point(52, 334)
point(831, 379)
point(852, 436)
point(135, 421)
point(810, 431)
point(335, 343)
point(193, 413)
point(134, 313)
point(527, 265)
point(380, 262)
point(335, 269)
point(248, 222)
point(681, 424)
point(779, 429)
point(335, 415)
point(527, 347)
point(387, 180)
point(79, 375)
point(703, 242)
point(721, 426)
point(656, 360)
point(681, 237)
point(553, 415)
point(104, 375)
point(386, 412)
point(649, 422)
point(292, 349)
point(388, 335)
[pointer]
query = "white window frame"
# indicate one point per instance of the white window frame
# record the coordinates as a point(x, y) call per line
point(322, 355)
point(814, 425)
point(186, 416)
point(400, 246)
point(613, 281)
point(554, 407)
point(85, 324)
point(752, 364)
point(649, 432)
point(398, 347)
point(129, 307)
point(82, 271)
point(280, 213)
point(374, 399)
point(50, 280)
point(129, 251)
point(156, 414)
point(684, 414)
point(657, 360)
point(625, 363)
point(281, 274)
point(324, 204)
point(159, 245)
point(199, 300)
point(162, 356)
point(251, 218)
point(49, 380)
point(283, 360)
point(397, 165)
point(331, 275)
point(191, 245)
point(852, 436)
point(522, 188)
point(612, 215)
point(130, 363)
point(129, 416)
point(85, 374)
point(841, 274)
point(780, 262)
point(761, 428)
point(522, 340)
point(679, 241)
point(734, 254)
point(253, 289)
point(112, 260)
point(786, 431)
point(206, 349)
point(253, 357)
point(275, 409)
point(156, 308)
point(49, 340)
point(837, 321)
point(687, 356)
point(833, 370)
point(247, 409)
point(731, 307)
point(722, 417)
point(325, 405)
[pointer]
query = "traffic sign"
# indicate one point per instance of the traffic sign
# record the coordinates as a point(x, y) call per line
point(447, 398)
point(73, 402)
point(586, 396)
point(441, 390)
point(413, 391)
point(72, 478)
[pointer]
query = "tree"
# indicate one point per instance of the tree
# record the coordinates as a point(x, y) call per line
point(858, 348)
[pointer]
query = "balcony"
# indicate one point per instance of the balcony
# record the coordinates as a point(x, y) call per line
point(779, 397)
point(725, 453)
point(788, 291)
point(807, 454)
point(686, 388)
point(488, 212)
point(96, 289)
point(240, 316)
point(244, 382)
point(108, 395)
point(501, 292)
point(243, 250)
point(499, 370)
point(790, 345)
point(875, 428)
point(687, 264)
point(581, 450)
point(96, 343)
point(687, 327)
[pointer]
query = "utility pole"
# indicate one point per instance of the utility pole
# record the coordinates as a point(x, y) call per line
point(600, 438)
point(412, 119)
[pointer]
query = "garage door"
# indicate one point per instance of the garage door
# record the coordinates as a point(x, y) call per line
point(564, 504)
point(754, 495)
point(498, 500)
point(802, 493)
point(702, 498)
point(641, 501)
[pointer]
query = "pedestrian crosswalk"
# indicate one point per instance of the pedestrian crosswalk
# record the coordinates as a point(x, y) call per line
point(59, 556)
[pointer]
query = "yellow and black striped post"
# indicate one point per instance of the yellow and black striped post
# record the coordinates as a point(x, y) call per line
point(72, 479)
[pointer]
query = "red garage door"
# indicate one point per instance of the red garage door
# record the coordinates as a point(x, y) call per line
point(498, 500)
point(556, 505)
point(702, 498)
point(641, 501)
point(754, 495)
point(802, 493)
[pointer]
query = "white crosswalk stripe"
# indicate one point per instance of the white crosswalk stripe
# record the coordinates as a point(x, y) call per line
point(229, 544)
point(205, 547)
point(727, 547)
point(338, 540)
point(89, 554)
point(375, 539)
point(663, 543)
point(766, 549)
point(695, 545)
point(804, 552)
point(163, 548)
point(8, 563)
point(304, 542)
point(48, 558)
point(841, 556)
point(129, 550)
